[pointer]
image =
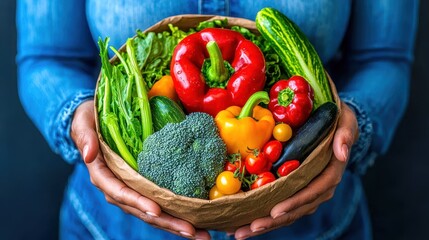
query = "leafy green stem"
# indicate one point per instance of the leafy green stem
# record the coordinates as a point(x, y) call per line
point(129, 88)
point(109, 120)
point(146, 116)
point(112, 124)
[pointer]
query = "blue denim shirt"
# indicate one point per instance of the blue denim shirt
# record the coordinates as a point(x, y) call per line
point(366, 45)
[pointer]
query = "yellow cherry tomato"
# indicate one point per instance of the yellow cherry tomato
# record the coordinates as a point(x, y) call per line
point(228, 184)
point(215, 193)
point(282, 132)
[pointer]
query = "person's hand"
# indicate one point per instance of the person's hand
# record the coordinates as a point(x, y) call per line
point(319, 190)
point(116, 192)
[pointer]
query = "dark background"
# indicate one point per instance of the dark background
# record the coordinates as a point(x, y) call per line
point(32, 178)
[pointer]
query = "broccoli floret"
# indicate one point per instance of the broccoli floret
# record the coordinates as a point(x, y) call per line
point(184, 157)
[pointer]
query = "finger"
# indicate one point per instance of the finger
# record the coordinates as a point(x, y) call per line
point(289, 217)
point(202, 234)
point(345, 134)
point(103, 178)
point(83, 131)
point(243, 232)
point(257, 227)
point(308, 208)
point(327, 180)
point(266, 224)
point(168, 223)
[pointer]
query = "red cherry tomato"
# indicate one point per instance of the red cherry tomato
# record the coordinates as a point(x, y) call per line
point(287, 167)
point(255, 162)
point(268, 167)
point(233, 164)
point(229, 166)
point(272, 150)
point(262, 179)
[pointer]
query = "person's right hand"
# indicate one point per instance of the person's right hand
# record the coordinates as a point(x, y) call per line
point(319, 190)
point(117, 192)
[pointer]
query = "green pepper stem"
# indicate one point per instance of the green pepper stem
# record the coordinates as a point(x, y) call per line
point(217, 72)
point(285, 97)
point(255, 99)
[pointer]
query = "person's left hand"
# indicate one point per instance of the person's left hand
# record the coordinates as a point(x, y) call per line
point(319, 190)
point(116, 192)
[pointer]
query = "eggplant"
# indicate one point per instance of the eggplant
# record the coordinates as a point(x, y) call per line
point(309, 135)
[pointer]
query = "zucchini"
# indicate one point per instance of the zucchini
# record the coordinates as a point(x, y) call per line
point(297, 54)
point(309, 135)
point(164, 110)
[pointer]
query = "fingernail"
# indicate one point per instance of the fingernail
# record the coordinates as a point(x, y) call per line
point(258, 229)
point(345, 150)
point(242, 238)
point(152, 214)
point(85, 152)
point(186, 234)
point(279, 215)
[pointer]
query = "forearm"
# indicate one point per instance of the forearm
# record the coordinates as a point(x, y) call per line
point(50, 91)
point(378, 93)
point(57, 67)
point(376, 72)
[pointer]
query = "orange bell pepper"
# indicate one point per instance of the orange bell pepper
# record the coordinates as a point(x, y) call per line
point(246, 128)
point(164, 87)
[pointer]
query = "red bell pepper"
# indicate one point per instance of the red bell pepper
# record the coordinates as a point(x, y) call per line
point(291, 101)
point(216, 68)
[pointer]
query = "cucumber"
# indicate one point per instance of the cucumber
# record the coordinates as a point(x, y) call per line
point(309, 135)
point(297, 54)
point(164, 110)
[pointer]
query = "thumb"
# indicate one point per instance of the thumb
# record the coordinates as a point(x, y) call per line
point(83, 131)
point(346, 133)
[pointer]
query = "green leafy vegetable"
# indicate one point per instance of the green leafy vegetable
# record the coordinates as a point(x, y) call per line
point(154, 51)
point(273, 67)
point(109, 120)
point(123, 104)
point(217, 23)
point(124, 110)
